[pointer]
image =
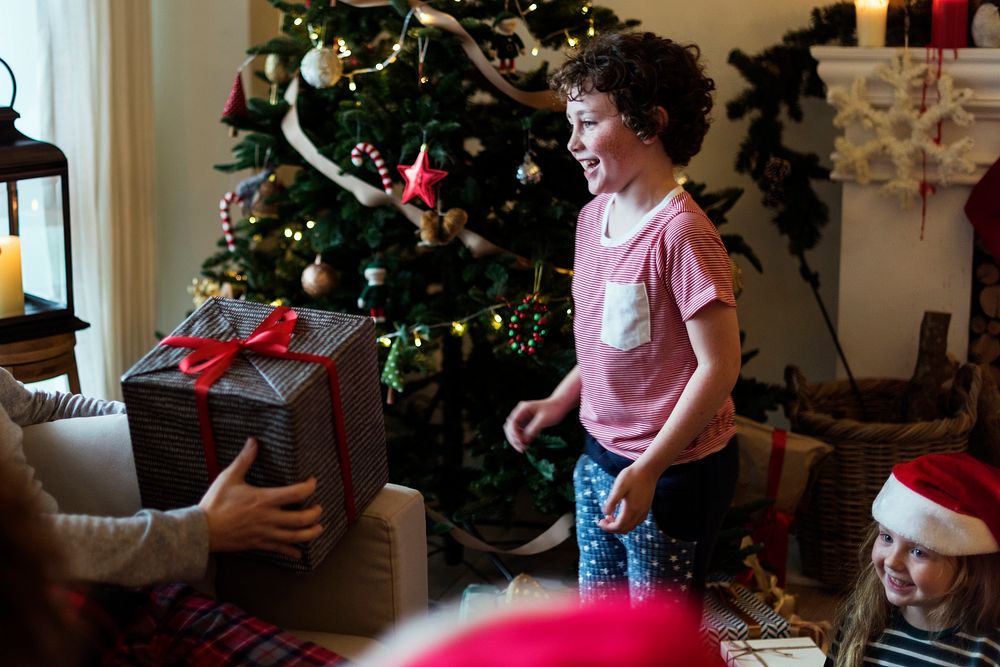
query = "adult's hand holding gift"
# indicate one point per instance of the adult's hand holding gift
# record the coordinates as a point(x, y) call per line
point(242, 516)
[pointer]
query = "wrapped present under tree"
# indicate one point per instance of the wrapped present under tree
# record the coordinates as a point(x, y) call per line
point(787, 652)
point(733, 611)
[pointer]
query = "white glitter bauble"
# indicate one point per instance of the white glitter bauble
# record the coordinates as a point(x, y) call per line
point(321, 68)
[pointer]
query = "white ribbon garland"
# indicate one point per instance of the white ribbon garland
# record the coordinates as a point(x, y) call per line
point(367, 195)
point(553, 536)
point(433, 18)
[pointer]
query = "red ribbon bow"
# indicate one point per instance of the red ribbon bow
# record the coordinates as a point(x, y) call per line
point(212, 358)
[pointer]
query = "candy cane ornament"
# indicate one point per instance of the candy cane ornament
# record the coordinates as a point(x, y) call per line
point(358, 159)
point(227, 223)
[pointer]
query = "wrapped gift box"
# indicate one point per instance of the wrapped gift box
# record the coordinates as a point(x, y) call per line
point(733, 612)
point(523, 589)
point(285, 369)
point(787, 652)
point(776, 465)
point(800, 456)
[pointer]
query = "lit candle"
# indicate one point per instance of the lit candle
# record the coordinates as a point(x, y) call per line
point(949, 24)
point(871, 21)
point(11, 291)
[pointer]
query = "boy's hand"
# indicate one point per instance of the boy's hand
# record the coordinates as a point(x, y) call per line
point(241, 516)
point(634, 489)
point(527, 420)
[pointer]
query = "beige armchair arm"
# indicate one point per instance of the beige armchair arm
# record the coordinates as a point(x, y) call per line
point(375, 577)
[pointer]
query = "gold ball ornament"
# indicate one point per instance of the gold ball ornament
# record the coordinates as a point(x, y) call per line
point(276, 69)
point(321, 68)
point(319, 278)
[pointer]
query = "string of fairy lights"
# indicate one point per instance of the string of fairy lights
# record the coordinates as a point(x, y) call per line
point(344, 50)
point(419, 333)
point(458, 327)
point(422, 332)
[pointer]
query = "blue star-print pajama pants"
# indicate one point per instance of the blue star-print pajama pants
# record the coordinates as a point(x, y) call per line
point(645, 558)
point(667, 554)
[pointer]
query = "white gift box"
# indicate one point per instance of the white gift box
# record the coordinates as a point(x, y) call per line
point(786, 652)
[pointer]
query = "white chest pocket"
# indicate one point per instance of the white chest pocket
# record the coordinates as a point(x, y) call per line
point(625, 321)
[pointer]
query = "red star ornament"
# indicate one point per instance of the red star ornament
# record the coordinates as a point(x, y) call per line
point(420, 179)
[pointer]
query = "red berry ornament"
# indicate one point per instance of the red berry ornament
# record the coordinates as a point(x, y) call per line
point(528, 325)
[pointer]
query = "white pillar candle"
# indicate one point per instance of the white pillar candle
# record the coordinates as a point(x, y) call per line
point(11, 290)
point(871, 21)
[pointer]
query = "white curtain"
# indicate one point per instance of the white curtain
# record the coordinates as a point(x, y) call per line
point(97, 107)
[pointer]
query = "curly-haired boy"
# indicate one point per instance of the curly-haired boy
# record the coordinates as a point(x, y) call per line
point(657, 339)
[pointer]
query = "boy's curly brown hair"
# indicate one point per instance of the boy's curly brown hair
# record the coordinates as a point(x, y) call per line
point(642, 71)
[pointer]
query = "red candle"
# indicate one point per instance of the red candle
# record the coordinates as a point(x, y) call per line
point(949, 24)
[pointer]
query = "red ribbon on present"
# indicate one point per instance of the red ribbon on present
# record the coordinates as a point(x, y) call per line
point(773, 528)
point(779, 441)
point(211, 359)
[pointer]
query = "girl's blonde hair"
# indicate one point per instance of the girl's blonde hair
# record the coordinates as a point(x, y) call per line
point(866, 612)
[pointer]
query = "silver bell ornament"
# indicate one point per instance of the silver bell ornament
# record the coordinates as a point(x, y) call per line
point(529, 173)
point(321, 68)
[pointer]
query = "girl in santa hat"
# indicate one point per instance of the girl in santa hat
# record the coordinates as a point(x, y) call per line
point(928, 596)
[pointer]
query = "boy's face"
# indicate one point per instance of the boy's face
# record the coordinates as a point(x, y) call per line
point(601, 143)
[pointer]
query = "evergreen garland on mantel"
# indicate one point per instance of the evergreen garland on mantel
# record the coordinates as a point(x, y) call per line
point(779, 76)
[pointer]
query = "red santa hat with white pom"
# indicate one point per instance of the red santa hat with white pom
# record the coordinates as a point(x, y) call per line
point(949, 503)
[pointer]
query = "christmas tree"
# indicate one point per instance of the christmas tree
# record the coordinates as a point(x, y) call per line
point(402, 175)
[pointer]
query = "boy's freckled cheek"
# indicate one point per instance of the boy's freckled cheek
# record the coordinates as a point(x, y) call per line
point(614, 149)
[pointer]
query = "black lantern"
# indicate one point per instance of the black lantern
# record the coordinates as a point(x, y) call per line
point(36, 302)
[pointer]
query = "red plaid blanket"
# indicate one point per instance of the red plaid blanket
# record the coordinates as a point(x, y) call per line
point(176, 625)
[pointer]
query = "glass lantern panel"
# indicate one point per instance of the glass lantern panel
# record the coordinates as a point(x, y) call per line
point(34, 208)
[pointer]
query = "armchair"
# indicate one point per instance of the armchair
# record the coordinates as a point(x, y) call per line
point(375, 577)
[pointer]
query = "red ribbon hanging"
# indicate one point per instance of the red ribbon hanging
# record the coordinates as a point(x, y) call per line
point(779, 440)
point(211, 359)
point(773, 528)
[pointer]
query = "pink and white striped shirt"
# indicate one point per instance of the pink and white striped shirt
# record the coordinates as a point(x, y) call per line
point(632, 296)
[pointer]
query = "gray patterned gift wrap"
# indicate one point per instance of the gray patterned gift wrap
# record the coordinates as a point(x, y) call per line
point(288, 403)
point(733, 612)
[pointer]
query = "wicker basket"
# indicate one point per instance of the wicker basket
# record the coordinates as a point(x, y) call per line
point(837, 512)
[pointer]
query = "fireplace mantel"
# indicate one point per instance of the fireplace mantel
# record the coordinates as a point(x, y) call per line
point(888, 275)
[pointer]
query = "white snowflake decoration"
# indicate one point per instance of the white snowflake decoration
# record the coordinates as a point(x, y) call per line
point(902, 132)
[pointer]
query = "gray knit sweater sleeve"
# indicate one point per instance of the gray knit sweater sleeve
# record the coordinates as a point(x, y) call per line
point(149, 547)
point(25, 406)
